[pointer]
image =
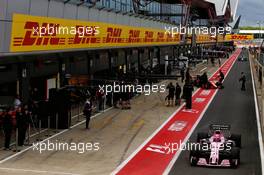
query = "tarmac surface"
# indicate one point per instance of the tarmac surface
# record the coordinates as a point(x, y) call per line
point(235, 107)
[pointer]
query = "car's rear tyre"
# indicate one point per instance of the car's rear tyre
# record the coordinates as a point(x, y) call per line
point(237, 139)
point(201, 135)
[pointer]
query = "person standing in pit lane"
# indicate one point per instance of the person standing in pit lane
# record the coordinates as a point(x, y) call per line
point(27, 117)
point(7, 127)
point(188, 77)
point(178, 94)
point(204, 80)
point(182, 74)
point(87, 111)
point(187, 91)
point(219, 62)
point(17, 102)
point(243, 80)
point(170, 96)
point(221, 76)
point(100, 97)
point(22, 122)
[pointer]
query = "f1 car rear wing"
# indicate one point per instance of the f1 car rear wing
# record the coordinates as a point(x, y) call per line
point(220, 127)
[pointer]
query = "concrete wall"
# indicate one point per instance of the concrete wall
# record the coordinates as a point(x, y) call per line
point(258, 74)
point(56, 8)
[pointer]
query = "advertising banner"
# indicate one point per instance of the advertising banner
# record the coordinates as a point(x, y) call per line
point(33, 33)
point(238, 37)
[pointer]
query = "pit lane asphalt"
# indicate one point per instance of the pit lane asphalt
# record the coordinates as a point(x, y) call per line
point(235, 107)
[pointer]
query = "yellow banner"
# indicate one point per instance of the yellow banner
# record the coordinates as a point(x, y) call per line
point(205, 38)
point(33, 33)
point(220, 38)
point(238, 37)
point(201, 39)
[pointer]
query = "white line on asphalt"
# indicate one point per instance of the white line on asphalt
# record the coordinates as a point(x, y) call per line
point(203, 69)
point(63, 131)
point(176, 156)
point(37, 171)
point(151, 136)
point(32, 135)
point(260, 138)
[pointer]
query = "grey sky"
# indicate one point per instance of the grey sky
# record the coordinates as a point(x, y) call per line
point(251, 11)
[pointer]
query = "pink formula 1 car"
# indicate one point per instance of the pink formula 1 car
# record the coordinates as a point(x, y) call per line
point(217, 148)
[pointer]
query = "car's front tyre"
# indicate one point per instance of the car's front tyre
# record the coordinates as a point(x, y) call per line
point(235, 157)
point(194, 157)
point(193, 160)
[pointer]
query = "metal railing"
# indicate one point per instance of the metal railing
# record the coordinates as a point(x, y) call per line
point(41, 129)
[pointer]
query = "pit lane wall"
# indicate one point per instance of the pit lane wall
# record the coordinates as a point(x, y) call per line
point(257, 65)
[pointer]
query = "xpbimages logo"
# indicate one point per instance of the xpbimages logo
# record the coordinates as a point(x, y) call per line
point(120, 88)
point(213, 31)
point(56, 29)
point(65, 146)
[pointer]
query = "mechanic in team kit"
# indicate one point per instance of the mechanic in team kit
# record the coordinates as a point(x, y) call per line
point(221, 76)
point(187, 93)
point(204, 80)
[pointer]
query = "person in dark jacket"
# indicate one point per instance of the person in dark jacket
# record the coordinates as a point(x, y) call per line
point(100, 99)
point(204, 80)
point(188, 77)
point(7, 127)
point(219, 62)
point(221, 76)
point(178, 94)
point(87, 111)
point(116, 97)
point(243, 80)
point(28, 116)
point(126, 99)
point(170, 96)
point(187, 91)
point(182, 75)
point(22, 124)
